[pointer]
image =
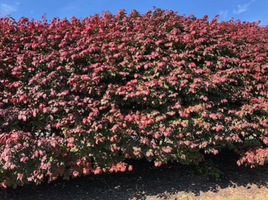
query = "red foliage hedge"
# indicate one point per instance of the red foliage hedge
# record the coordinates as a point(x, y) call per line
point(82, 96)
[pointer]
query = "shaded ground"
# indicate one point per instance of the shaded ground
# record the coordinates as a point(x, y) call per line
point(172, 181)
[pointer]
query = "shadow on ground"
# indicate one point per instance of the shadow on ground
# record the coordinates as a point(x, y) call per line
point(145, 180)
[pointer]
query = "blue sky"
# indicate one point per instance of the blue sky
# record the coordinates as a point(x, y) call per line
point(245, 10)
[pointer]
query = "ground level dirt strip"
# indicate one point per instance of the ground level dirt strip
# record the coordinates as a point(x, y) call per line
point(171, 181)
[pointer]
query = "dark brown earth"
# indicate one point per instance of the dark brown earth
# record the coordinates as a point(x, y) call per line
point(172, 181)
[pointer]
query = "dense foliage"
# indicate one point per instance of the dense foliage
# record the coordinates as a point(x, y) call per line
point(82, 96)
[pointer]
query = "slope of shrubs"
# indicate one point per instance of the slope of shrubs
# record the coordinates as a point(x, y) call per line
point(82, 96)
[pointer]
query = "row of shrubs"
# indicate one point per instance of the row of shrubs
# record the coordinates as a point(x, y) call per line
point(82, 96)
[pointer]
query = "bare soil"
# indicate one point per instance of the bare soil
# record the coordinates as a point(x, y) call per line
point(146, 182)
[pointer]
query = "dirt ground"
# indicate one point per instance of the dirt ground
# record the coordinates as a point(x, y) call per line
point(146, 182)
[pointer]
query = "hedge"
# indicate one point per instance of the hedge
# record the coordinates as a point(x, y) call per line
point(82, 96)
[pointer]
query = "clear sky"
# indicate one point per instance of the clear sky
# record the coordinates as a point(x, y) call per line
point(245, 10)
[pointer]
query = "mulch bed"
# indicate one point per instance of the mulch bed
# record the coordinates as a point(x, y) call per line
point(145, 180)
